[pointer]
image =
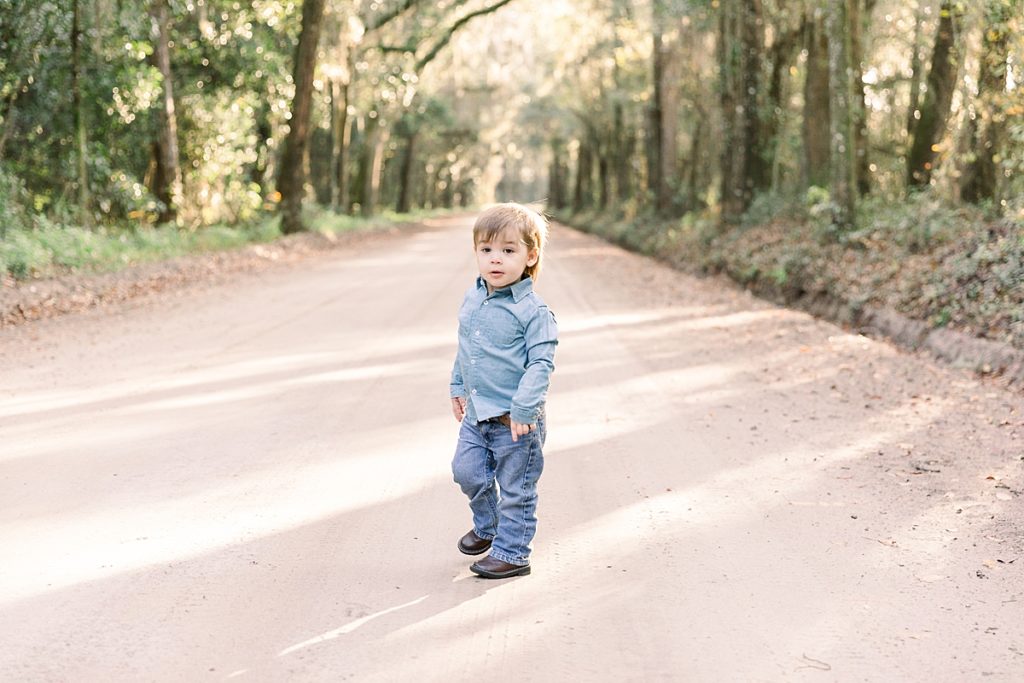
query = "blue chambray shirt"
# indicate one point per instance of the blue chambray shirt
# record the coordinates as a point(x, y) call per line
point(506, 352)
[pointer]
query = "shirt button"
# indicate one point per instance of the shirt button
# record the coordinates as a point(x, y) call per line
point(486, 302)
point(477, 333)
point(472, 362)
point(473, 392)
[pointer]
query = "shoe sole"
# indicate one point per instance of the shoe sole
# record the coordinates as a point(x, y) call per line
point(466, 551)
point(483, 573)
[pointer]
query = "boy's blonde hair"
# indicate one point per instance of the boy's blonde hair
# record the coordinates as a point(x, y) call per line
point(531, 227)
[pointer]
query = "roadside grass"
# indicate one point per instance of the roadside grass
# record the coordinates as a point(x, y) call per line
point(47, 248)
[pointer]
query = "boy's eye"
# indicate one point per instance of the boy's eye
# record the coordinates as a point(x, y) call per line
point(509, 250)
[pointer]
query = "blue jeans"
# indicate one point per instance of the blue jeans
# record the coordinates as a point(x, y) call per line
point(499, 477)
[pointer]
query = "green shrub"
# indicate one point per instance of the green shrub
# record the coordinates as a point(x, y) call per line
point(13, 202)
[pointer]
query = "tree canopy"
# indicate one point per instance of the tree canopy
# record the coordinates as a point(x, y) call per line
point(207, 111)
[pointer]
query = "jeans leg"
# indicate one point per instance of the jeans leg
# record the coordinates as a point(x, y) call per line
point(518, 467)
point(473, 469)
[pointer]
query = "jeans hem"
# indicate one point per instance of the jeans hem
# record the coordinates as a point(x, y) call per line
point(511, 559)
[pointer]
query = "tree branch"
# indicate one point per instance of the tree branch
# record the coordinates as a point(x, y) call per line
point(390, 16)
point(434, 51)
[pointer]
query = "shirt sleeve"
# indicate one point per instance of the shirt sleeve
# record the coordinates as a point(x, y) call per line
point(541, 336)
point(458, 388)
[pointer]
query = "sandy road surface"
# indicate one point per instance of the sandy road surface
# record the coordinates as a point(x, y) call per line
point(253, 484)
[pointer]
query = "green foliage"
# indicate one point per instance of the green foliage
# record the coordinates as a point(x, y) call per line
point(13, 202)
point(916, 223)
point(769, 206)
point(50, 248)
point(220, 131)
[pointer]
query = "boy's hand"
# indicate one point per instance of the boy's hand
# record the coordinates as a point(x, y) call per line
point(459, 408)
point(519, 429)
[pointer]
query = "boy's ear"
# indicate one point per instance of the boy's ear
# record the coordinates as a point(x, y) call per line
point(532, 257)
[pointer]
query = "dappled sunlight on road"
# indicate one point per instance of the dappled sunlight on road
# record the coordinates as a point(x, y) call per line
point(310, 482)
point(572, 324)
point(203, 375)
point(586, 414)
point(739, 492)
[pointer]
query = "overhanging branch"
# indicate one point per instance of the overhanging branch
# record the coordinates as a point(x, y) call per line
point(434, 51)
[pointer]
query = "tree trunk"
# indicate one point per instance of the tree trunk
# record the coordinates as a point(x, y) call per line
point(841, 104)
point(652, 151)
point(604, 177)
point(344, 177)
point(665, 107)
point(980, 180)
point(375, 166)
point(694, 164)
point(729, 65)
point(556, 175)
point(937, 100)
point(740, 48)
point(292, 179)
point(782, 54)
point(756, 174)
point(624, 142)
point(915, 76)
point(362, 138)
point(817, 115)
point(84, 195)
point(858, 29)
point(340, 130)
point(168, 188)
point(584, 173)
point(656, 167)
point(406, 174)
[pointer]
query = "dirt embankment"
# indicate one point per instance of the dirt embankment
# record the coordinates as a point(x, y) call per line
point(962, 300)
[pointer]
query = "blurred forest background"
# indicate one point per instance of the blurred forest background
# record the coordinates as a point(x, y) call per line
point(871, 149)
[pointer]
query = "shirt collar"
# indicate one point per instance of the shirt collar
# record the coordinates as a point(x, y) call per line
point(518, 290)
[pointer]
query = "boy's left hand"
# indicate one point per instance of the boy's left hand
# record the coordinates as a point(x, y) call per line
point(519, 429)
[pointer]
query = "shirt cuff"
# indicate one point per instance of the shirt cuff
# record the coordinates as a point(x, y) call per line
point(523, 416)
point(457, 391)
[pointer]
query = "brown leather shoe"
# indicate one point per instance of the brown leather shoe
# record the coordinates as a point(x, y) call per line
point(490, 568)
point(471, 544)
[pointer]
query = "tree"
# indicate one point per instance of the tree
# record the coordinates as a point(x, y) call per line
point(167, 186)
point(859, 24)
point(291, 183)
point(784, 48)
point(842, 103)
point(817, 115)
point(664, 111)
point(935, 109)
point(77, 106)
point(986, 128)
point(740, 48)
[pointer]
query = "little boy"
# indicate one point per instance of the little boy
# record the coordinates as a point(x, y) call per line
point(507, 339)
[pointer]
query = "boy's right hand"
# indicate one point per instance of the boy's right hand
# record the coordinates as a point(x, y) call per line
point(459, 408)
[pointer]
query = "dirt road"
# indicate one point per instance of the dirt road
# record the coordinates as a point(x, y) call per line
point(252, 483)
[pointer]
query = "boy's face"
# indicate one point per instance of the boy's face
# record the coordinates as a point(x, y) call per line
point(503, 259)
